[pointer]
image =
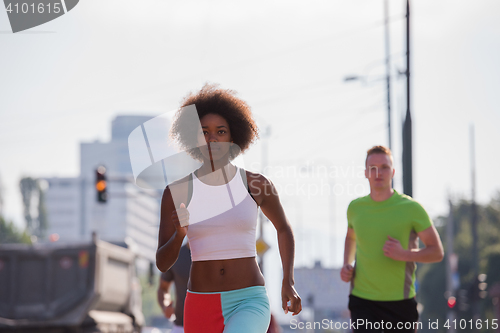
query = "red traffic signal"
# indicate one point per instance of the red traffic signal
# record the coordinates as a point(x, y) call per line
point(452, 301)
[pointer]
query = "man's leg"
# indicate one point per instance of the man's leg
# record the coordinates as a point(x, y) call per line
point(402, 315)
point(364, 315)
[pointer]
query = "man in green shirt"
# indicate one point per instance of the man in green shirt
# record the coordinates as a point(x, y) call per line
point(382, 238)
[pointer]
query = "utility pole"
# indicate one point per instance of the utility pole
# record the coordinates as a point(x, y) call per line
point(83, 205)
point(1, 197)
point(332, 220)
point(407, 133)
point(388, 69)
point(450, 266)
point(475, 254)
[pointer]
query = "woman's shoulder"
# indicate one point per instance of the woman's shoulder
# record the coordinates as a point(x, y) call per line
point(255, 176)
point(258, 181)
point(180, 183)
point(178, 189)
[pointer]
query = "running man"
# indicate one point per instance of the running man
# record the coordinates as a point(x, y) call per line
point(382, 237)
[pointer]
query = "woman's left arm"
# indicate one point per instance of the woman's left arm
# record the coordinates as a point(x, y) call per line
point(267, 198)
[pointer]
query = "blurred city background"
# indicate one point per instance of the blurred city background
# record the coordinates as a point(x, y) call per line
point(324, 80)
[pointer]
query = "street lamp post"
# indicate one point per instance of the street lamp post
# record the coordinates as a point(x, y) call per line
point(387, 77)
point(388, 70)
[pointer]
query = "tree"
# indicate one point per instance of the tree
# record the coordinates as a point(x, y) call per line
point(150, 307)
point(432, 277)
point(28, 187)
point(34, 196)
point(42, 211)
point(1, 197)
point(9, 233)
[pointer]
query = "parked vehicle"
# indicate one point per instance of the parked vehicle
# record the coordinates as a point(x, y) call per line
point(78, 288)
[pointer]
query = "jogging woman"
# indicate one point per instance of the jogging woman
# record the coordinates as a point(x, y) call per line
point(216, 206)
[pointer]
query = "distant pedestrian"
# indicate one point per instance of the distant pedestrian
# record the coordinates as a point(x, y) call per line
point(382, 237)
point(179, 275)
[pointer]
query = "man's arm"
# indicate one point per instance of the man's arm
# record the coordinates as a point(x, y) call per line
point(350, 246)
point(432, 252)
point(349, 255)
point(163, 289)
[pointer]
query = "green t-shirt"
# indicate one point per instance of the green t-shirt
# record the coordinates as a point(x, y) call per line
point(377, 277)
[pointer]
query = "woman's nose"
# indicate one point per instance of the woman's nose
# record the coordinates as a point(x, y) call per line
point(211, 138)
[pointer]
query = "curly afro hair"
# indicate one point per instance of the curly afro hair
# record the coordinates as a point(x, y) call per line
point(223, 102)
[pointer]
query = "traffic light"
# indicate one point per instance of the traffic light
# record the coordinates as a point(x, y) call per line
point(100, 184)
point(482, 286)
point(452, 301)
point(463, 299)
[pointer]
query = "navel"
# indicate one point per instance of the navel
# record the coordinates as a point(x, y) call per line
point(222, 271)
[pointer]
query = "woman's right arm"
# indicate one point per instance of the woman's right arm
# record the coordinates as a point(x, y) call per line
point(171, 234)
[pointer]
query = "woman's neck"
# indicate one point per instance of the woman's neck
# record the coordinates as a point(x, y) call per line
point(216, 176)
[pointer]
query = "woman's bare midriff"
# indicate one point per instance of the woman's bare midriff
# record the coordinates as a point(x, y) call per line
point(224, 275)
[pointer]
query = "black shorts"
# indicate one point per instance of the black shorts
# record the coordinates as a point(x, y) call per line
point(383, 316)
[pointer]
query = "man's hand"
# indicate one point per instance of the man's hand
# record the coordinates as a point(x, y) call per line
point(289, 295)
point(169, 310)
point(164, 299)
point(394, 250)
point(346, 272)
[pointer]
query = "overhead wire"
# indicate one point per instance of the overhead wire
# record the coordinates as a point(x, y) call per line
point(246, 62)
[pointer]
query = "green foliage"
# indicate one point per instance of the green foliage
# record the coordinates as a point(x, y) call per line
point(43, 224)
point(150, 307)
point(431, 291)
point(32, 193)
point(432, 277)
point(10, 234)
point(28, 187)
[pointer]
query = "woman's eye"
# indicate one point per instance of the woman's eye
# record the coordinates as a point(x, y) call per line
point(222, 132)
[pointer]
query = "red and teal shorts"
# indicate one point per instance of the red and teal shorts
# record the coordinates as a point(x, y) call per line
point(242, 310)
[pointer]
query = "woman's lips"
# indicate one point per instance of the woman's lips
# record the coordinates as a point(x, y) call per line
point(213, 147)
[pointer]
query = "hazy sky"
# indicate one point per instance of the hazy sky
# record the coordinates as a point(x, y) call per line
point(63, 82)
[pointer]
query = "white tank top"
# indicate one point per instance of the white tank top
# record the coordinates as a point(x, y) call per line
point(222, 220)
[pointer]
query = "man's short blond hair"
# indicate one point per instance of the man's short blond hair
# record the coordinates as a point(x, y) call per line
point(378, 150)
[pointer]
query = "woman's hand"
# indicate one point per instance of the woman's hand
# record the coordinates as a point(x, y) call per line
point(267, 198)
point(290, 299)
point(173, 228)
point(180, 218)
